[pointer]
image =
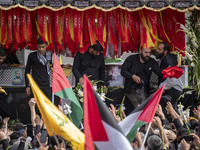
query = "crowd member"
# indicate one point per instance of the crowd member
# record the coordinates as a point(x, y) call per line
point(3, 134)
point(137, 142)
point(154, 142)
point(173, 87)
point(137, 70)
point(39, 64)
point(91, 64)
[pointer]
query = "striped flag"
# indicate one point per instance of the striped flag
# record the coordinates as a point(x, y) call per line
point(100, 127)
point(141, 115)
point(62, 88)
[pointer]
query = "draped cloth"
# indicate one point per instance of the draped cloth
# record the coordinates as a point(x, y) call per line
point(45, 60)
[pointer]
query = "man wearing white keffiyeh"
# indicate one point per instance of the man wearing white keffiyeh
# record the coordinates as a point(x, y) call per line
point(39, 64)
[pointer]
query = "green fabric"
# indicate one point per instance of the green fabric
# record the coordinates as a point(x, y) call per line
point(111, 60)
point(132, 133)
point(77, 111)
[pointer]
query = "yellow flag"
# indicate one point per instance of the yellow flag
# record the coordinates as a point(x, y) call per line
point(2, 90)
point(55, 121)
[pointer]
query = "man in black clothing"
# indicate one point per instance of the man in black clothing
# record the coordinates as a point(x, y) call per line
point(137, 70)
point(39, 63)
point(7, 59)
point(166, 58)
point(91, 63)
point(3, 55)
point(173, 87)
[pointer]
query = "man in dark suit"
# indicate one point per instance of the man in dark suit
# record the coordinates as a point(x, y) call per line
point(166, 58)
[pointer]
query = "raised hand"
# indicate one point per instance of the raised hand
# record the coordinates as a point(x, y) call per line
point(158, 122)
point(184, 145)
point(197, 112)
point(44, 145)
point(169, 108)
point(113, 111)
point(32, 103)
point(159, 112)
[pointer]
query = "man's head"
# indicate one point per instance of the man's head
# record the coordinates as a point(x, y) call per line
point(181, 133)
point(96, 49)
point(3, 55)
point(42, 46)
point(162, 50)
point(145, 54)
point(154, 142)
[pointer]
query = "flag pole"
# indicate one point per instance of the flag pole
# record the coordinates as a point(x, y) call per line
point(53, 98)
point(56, 141)
point(145, 137)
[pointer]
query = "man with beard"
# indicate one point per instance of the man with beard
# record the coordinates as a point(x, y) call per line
point(166, 59)
point(173, 87)
point(137, 70)
point(91, 64)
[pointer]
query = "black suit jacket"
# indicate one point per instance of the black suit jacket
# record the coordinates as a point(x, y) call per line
point(130, 67)
point(89, 65)
point(169, 60)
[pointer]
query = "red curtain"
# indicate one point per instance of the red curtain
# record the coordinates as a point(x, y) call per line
point(77, 30)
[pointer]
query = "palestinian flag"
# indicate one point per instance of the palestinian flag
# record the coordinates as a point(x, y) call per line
point(62, 88)
point(141, 115)
point(100, 127)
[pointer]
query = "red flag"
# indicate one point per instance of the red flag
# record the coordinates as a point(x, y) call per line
point(92, 118)
point(172, 72)
point(100, 126)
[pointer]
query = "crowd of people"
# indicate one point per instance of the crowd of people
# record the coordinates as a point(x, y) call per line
point(168, 130)
point(31, 136)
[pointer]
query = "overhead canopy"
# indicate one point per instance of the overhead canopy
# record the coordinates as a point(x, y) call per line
point(105, 5)
point(69, 26)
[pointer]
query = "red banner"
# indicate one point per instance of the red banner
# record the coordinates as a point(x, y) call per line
point(77, 30)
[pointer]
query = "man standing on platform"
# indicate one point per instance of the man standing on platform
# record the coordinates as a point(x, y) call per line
point(91, 63)
point(7, 59)
point(3, 55)
point(166, 59)
point(137, 71)
point(39, 63)
point(173, 86)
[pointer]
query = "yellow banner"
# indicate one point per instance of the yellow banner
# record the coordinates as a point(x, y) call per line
point(55, 121)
